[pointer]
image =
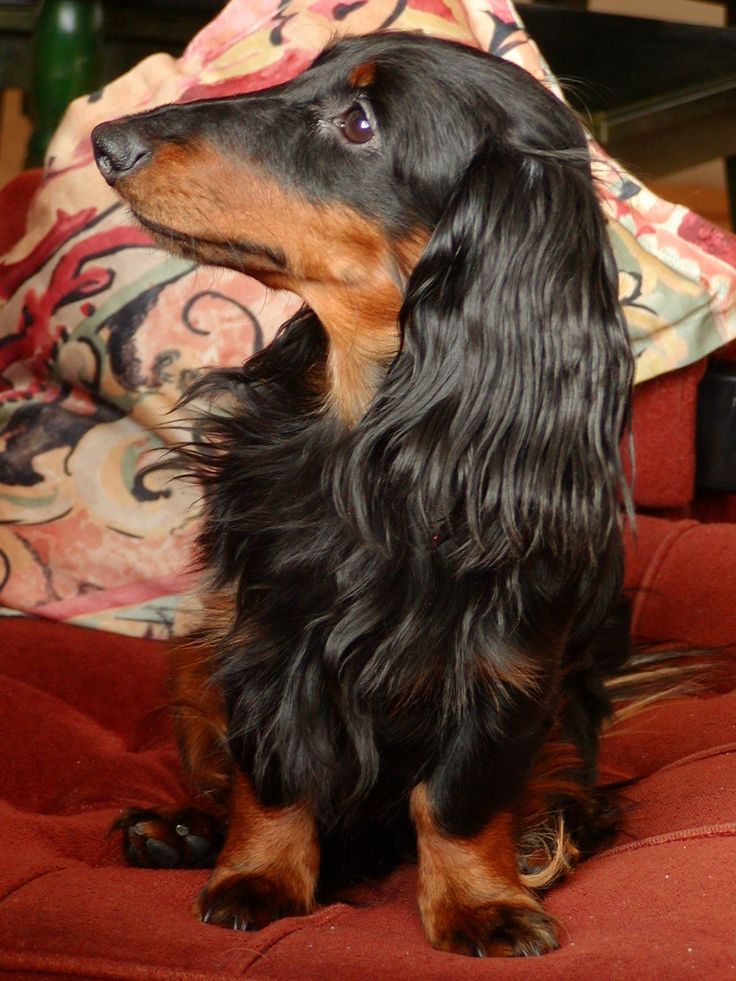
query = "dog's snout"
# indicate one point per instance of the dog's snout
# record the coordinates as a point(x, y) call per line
point(119, 150)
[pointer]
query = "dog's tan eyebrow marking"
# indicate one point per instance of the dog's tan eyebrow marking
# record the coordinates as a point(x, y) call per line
point(363, 75)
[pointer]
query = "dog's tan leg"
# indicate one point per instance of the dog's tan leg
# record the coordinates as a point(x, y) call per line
point(268, 866)
point(471, 898)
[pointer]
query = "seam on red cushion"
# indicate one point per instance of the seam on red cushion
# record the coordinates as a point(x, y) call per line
point(74, 966)
point(92, 967)
point(320, 918)
point(283, 928)
point(612, 773)
point(703, 754)
point(58, 963)
point(727, 830)
point(32, 878)
point(650, 574)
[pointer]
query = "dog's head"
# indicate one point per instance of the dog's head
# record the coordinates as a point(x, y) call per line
point(350, 164)
point(434, 206)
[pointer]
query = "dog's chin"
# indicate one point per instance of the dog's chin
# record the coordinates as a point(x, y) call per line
point(247, 257)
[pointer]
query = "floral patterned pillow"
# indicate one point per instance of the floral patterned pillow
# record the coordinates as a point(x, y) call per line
point(100, 333)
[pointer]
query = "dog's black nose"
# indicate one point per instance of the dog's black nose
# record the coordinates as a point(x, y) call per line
point(120, 150)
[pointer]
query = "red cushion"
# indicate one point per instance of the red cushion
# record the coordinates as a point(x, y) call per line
point(663, 426)
point(685, 574)
point(85, 735)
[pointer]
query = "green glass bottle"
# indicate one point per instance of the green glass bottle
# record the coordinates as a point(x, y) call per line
point(65, 64)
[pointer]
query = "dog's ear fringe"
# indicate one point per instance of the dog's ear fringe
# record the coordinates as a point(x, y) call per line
point(497, 429)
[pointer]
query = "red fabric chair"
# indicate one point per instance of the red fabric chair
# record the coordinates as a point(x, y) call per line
point(86, 734)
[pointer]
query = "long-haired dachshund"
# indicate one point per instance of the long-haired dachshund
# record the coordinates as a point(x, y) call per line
point(412, 497)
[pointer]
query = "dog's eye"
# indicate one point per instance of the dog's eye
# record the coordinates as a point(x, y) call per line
point(356, 126)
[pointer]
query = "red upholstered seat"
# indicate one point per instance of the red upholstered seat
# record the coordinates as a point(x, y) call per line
point(85, 735)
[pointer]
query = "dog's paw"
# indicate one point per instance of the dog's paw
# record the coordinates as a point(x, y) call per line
point(496, 930)
point(167, 839)
point(247, 902)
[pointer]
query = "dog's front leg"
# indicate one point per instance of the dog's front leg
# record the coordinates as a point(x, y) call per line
point(471, 897)
point(268, 866)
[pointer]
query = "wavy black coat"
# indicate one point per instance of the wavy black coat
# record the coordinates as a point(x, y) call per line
point(421, 596)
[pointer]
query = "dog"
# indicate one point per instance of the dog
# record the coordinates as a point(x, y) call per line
point(413, 497)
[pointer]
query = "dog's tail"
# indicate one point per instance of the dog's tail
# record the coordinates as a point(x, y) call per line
point(567, 815)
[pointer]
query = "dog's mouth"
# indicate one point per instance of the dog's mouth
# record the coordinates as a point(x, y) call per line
point(239, 254)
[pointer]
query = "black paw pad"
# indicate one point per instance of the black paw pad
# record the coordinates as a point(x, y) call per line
point(169, 839)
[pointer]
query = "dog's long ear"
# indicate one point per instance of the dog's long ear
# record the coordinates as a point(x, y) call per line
point(497, 428)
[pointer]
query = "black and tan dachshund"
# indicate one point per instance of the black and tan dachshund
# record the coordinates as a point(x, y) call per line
point(413, 496)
